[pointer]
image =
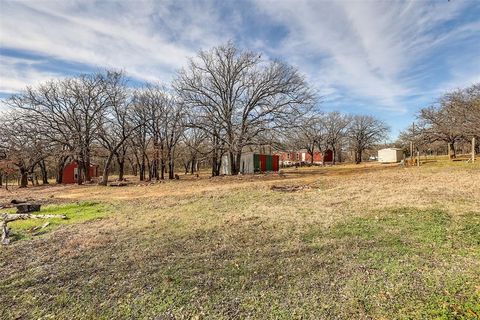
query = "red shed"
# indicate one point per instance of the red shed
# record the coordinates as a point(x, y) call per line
point(70, 172)
point(328, 156)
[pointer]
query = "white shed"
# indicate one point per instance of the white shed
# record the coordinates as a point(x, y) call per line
point(390, 155)
point(246, 164)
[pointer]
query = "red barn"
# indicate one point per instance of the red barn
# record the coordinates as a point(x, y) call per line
point(70, 172)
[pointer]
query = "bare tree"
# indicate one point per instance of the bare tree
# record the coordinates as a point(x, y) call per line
point(174, 116)
point(194, 148)
point(336, 126)
point(463, 107)
point(140, 139)
point(441, 123)
point(150, 101)
point(237, 95)
point(22, 144)
point(364, 132)
point(117, 125)
point(68, 111)
point(304, 134)
point(166, 123)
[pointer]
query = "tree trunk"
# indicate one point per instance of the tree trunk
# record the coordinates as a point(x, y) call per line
point(148, 169)
point(141, 171)
point(238, 160)
point(162, 167)
point(31, 176)
point(192, 168)
point(121, 169)
point(43, 170)
point(106, 170)
point(121, 166)
point(142, 168)
point(233, 162)
point(60, 167)
point(87, 166)
point(170, 166)
point(23, 178)
point(219, 165)
point(358, 156)
point(214, 163)
point(171, 170)
point(156, 160)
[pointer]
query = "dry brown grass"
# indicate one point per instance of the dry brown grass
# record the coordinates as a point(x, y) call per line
point(231, 247)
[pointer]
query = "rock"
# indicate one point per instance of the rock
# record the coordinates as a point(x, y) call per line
point(27, 207)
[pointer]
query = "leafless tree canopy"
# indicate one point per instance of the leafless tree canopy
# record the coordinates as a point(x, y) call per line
point(364, 132)
point(236, 96)
point(226, 100)
point(453, 119)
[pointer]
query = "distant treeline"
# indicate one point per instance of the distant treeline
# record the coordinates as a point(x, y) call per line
point(224, 101)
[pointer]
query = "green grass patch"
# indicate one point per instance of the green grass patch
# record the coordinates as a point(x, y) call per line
point(418, 262)
point(235, 256)
point(76, 213)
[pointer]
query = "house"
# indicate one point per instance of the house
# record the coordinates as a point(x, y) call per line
point(288, 158)
point(251, 162)
point(390, 155)
point(71, 170)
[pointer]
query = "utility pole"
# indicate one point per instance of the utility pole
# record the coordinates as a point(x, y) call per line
point(473, 150)
point(411, 141)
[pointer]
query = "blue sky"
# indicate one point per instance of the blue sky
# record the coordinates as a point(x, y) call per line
point(383, 58)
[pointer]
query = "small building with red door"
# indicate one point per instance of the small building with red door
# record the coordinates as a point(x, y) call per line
point(71, 172)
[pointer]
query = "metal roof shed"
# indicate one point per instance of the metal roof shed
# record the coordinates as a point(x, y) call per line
point(390, 155)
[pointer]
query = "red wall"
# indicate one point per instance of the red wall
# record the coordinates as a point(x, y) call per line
point(275, 163)
point(263, 163)
point(69, 172)
point(295, 156)
point(317, 157)
point(328, 156)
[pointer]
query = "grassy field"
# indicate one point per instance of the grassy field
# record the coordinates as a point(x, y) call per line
point(354, 242)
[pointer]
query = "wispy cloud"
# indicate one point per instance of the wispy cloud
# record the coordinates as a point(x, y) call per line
point(368, 49)
point(18, 72)
point(146, 38)
point(379, 57)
